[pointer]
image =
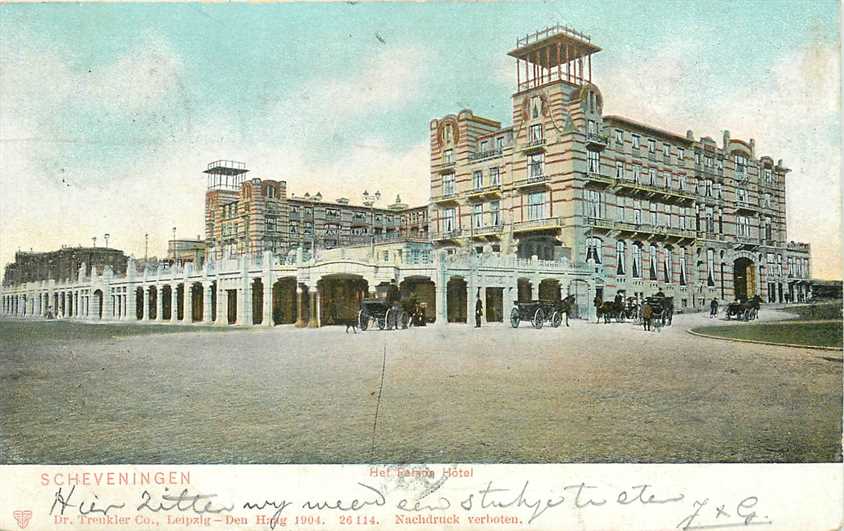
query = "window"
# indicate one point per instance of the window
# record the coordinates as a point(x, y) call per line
point(651, 145)
point(448, 156)
point(619, 169)
point(720, 165)
point(484, 146)
point(710, 220)
point(619, 136)
point(708, 185)
point(294, 228)
point(637, 260)
point(594, 162)
point(710, 267)
point(619, 257)
point(448, 184)
point(494, 176)
point(637, 215)
point(697, 158)
point(779, 264)
point(619, 209)
point(637, 173)
point(499, 143)
point(666, 150)
point(654, 214)
point(593, 204)
point(719, 190)
point(768, 229)
point(271, 192)
point(741, 167)
point(536, 163)
point(478, 216)
point(667, 266)
point(666, 180)
point(308, 227)
point(535, 107)
point(591, 128)
point(743, 226)
point(478, 179)
point(681, 257)
point(741, 196)
point(449, 220)
point(652, 176)
point(707, 161)
point(766, 201)
point(637, 140)
point(536, 205)
point(652, 262)
point(681, 153)
point(769, 176)
point(535, 133)
point(593, 250)
point(681, 182)
point(495, 213)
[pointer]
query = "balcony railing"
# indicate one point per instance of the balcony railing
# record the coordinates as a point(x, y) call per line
point(445, 198)
point(597, 141)
point(797, 246)
point(657, 230)
point(600, 223)
point(487, 229)
point(443, 167)
point(485, 191)
point(538, 224)
point(535, 180)
point(534, 144)
point(447, 234)
point(649, 190)
point(488, 154)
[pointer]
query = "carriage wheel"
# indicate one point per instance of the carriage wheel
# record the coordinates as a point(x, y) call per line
point(363, 321)
point(382, 322)
point(405, 320)
point(515, 317)
point(556, 320)
point(390, 319)
point(538, 318)
point(747, 315)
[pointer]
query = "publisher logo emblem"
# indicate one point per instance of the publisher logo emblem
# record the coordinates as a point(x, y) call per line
point(23, 518)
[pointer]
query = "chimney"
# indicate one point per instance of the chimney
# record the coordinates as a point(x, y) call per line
point(753, 148)
point(726, 139)
point(690, 134)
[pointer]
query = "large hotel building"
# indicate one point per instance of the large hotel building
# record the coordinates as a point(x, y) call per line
point(565, 201)
point(646, 208)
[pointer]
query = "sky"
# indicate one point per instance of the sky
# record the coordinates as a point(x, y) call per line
point(109, 113)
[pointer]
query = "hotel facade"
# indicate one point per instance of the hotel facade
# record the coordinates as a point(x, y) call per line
point(645, 209)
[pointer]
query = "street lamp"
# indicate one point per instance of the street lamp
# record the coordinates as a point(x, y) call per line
point(146, 249)
point(369, 201)
point(174, 245)
point(107, 236)
point(94, 239)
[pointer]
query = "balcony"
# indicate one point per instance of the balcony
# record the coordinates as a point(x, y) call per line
point(654, 231)
point(490, 191)
point(445, 199)
point(747, 242)
point(596, 141)
point(538, 224)
point(797, 246)
point(536, 181)
point(599, 178)
point(447, 235)
point(360, 221)
point(488, 230)
point(443, 167)
point(484, 155)
point(536, 144)
point(669, 195)
point(600, 224)
point(746, 208)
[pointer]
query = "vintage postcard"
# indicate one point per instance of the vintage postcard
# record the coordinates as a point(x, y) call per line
point(435, 266)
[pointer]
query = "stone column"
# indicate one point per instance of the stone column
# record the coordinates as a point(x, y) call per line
point(159, 303)
point(441, 296)
point(174, 303)
point(187, 304)
point(314, 320)
point(132, 303)
point(222, 305)
point(206, 302)
point(145, 316)
point(483, 299)
point(300, 319)
point(268, 301)
point(242, 313)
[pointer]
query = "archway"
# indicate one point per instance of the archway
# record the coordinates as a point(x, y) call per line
point(456, 300)
point(284, 301)
point(197, 301)
point(180, 301)
point(549, 290)
point(340, 297)
point(257, 301)
point(139, 303)
point(424, 291)
point(152, 309)
point(494, 305)
point(744, 278)
point(525, 290)
point(98, 304)
point(231, 295)
point(166, 302)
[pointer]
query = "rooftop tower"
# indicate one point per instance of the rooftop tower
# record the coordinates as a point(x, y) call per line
point(557, 53)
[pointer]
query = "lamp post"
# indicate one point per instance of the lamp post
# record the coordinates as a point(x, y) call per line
point(146, 250)
point(107, 236)
point(369, 201)
point(94, 239)
point(174, 245)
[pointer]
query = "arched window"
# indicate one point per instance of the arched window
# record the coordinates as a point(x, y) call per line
point(668, 268)
point(619, 257)
point(652, 265)
point(593, 249)
point(637, 260)
point(681, 256)
point(710, 267)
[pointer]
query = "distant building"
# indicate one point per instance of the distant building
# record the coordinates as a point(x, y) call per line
point(826, 289)
point(253, 215)
point(184, 251)
point(62, 264)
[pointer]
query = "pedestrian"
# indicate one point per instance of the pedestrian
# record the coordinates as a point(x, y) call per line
point(713, 308)
point(479, 311)
point(647, 316)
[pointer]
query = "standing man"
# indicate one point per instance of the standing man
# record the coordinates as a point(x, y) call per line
point(713, 308)
point(479, 311)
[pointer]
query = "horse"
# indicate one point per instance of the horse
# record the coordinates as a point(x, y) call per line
point(611, 310)
point(567, 306)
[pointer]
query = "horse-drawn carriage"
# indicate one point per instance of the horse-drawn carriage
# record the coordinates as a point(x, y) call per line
point(383, 314)
point(539, 312)
point(743, 310)
point(661, 310)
